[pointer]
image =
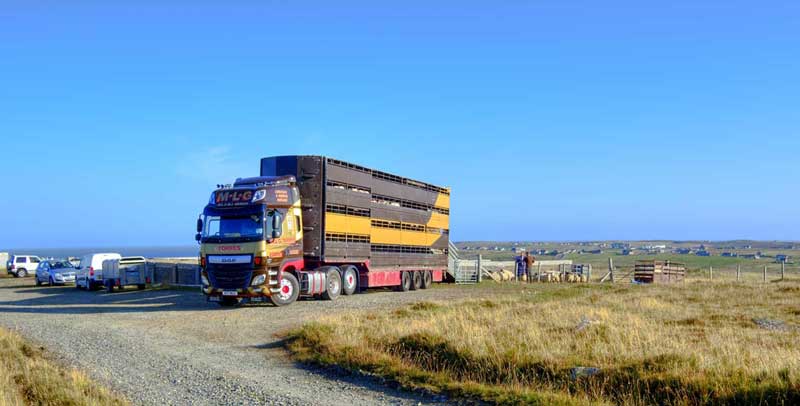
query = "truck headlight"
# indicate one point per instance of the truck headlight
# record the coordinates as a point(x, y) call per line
point(259, 280)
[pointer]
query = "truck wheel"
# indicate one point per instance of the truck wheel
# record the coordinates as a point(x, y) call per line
point(416, 280)
point(427, 279)
point(22, 273)
point(38, 282)
point(349, 280)
point(334, 287)
point(405, 281)
point(109, 286)
point(141, 286)
point(289, 291)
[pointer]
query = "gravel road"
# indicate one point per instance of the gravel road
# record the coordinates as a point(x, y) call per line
point(160, 347)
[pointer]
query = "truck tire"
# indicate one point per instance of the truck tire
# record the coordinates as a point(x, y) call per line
point(38, 282)
point(141, 286)
point(110, 286)
point(21, 273)
point(290, 290)
point(416, 280)
point(427, 279)
point(405, 281)
point(349, 280)
point(334, 283)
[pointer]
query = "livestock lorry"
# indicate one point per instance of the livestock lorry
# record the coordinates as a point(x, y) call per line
point(314, 226)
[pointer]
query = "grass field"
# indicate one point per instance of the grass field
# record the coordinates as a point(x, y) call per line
point(28, 377)
point(693, 343)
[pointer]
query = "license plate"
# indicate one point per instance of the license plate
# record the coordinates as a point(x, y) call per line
point(229, 293)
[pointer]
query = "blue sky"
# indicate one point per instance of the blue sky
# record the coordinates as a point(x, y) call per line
point(550, 120)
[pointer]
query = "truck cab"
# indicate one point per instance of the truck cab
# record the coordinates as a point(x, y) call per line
point(251, 242)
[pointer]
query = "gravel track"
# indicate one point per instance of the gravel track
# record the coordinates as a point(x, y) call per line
point(160, 347)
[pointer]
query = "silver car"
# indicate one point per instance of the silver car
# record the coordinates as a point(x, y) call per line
point(55, 272)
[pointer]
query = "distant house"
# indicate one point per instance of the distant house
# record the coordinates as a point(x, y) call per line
point(683, 251)
point(703, 253)
point(781, 258)
point(730, 254)
point(620, 245)
point(627, 252)
point(751, 256)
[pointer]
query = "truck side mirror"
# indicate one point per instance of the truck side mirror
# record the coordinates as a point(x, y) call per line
point(197, 237)
point(276, 225)
point(199, 225)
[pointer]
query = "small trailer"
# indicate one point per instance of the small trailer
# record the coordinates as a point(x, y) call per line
point(651, 271)
point(126, 271)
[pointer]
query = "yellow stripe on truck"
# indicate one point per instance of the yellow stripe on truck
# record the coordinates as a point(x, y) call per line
point(439, 220)
point(402, 237)
point(442, 201)
point(340, 223)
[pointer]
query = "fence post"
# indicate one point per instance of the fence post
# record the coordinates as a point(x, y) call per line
point(765, 273)
point(738, 272)
point(711, 273)
point(611, 268)
point(589, 274)
point(539, 272)
point(480, 277)
point(783, 268)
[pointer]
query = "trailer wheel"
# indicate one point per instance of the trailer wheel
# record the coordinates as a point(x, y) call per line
point(416, 280)
point(110, 286)
point(427, 279)
point(349, 280)
point(289, 290)
point(405, 281)
point(334, 281)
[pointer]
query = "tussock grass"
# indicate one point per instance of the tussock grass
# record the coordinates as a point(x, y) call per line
point(27, 377)
point(694, 343)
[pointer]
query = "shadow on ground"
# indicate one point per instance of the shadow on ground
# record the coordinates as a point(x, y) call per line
point(69, 300)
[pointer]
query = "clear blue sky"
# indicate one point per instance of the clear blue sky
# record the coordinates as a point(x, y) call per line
point(551, 120)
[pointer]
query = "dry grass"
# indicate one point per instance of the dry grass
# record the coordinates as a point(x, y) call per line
point(27, 377)
point(694, 343)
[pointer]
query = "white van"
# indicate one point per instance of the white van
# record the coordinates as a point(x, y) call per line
point(89, 273)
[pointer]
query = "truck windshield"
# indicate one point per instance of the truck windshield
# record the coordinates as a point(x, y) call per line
point(233, 228)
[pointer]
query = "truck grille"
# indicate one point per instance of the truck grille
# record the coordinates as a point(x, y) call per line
point(229, 276)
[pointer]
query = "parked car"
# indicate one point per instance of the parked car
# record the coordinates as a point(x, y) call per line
point(89, 274)
point(22, 265)
point(55, 272)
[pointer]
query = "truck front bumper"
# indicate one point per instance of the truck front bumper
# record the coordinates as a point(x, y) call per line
point(252, 294)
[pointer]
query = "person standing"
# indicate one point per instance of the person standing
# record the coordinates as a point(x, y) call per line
point(529, 261)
